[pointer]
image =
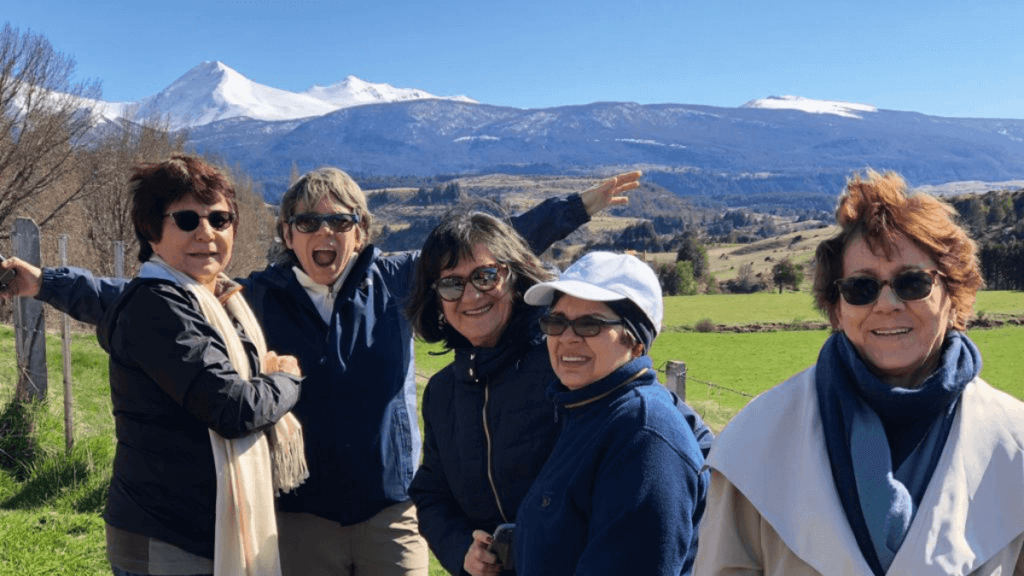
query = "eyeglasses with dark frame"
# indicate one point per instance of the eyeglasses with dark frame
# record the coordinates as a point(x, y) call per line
point(483, 278)
point(584, 326)
point(311, 222)
point(188, 220)
point(909, 285)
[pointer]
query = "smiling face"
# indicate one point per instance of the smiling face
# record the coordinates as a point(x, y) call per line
point(203, 253)
point(899, 341)
point(323, 254)
point(481, 317)
point(581, 361)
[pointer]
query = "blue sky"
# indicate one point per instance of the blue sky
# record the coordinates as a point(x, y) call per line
point(945, 58)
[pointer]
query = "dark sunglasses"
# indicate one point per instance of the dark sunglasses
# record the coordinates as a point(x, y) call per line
point(584, 326)
point(188, 220)
point(861, 290)
point(311, 222)
point(484, 279)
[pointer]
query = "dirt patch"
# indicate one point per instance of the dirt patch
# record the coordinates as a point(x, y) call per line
point(982, 323)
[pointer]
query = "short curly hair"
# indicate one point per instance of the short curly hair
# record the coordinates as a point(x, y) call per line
point(879, 208)
point(157, 185)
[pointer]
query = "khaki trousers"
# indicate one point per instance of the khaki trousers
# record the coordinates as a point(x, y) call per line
point(389, 544)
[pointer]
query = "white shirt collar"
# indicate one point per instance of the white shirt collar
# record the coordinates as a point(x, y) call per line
point(322, 295)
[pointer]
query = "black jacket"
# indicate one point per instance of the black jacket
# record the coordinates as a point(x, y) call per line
point(170, 383)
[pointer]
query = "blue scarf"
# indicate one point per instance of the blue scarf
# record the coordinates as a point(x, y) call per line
point(883, 442)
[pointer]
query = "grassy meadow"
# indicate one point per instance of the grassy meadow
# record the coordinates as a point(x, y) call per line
point(51, 501)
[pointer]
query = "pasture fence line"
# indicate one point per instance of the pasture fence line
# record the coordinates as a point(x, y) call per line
point(30, 326)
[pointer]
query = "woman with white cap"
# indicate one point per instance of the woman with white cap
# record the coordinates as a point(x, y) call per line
point(622, 490)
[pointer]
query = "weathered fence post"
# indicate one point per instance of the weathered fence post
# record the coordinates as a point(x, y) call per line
point(30, 324)
point(65, 333)
point(675, 377)
point(119, 258)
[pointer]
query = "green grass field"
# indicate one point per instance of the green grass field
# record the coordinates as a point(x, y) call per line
point(50, 502)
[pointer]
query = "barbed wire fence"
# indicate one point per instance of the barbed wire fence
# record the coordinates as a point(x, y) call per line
point(25, 366)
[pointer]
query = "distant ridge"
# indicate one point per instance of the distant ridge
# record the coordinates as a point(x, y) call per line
point(775, 153)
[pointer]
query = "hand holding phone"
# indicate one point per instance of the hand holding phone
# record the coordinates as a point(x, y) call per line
point(6, 276)
point(501, 545)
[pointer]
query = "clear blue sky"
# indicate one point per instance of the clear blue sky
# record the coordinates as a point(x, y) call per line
point(961, 58)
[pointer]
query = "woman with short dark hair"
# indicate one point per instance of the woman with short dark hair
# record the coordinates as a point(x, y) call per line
point(193, 390)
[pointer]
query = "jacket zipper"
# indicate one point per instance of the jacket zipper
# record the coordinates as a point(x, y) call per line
point(490, 456)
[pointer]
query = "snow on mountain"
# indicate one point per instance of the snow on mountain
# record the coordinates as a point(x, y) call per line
point(355, 92)
point(213, 91)
point(847, 109)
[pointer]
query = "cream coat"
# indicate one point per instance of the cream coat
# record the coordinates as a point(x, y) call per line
point(773, 507)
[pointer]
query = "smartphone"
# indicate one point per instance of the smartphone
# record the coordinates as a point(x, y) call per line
point(6, 276)
point(501, 545)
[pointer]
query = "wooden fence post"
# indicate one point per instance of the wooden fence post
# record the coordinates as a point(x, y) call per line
point(119, 258)
point(675, 377)
point(30, 323)
point(65, 333)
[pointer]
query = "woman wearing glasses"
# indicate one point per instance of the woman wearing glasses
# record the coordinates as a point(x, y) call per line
point(193, 388)
point(335, 301)
point(889, 455)
point(622, 492)
point(488, 424)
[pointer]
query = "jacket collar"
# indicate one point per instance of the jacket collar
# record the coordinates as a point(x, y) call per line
point(636, 372)
point(476, 364)
point(965, 517)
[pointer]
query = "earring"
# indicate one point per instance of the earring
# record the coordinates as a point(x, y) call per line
point(441, 321)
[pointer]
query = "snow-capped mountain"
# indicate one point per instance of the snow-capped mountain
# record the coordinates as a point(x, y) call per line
point(847, 109)
point(213, 91)
point(773, 150)
point(758, 153)
point(355, 92)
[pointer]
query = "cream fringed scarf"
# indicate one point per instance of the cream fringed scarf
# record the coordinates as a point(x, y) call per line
point(250, 470)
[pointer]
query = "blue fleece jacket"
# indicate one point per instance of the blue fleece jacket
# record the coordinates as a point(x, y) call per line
point(622, 492)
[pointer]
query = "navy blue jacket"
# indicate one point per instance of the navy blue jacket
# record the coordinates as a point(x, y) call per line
point(358, 407)
point(623, 491)
point(170, 383)
point(488, 430)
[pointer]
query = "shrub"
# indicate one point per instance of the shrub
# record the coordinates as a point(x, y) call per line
point(705, 325)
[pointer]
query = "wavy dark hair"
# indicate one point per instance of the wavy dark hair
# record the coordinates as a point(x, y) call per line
point(879, 208)
point(462, 228)
point(157, 185)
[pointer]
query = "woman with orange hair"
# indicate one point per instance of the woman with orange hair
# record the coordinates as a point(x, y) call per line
point(889, 455)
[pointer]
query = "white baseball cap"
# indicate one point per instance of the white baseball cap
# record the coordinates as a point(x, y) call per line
point(604, 277)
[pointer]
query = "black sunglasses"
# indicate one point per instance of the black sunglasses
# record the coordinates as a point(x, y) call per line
point(484, 279)
point(584, 326)
point(188, 220)
point(861, 290)
point(311, 222)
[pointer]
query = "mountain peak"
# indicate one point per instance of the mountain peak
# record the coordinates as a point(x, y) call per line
point(811, 106)
point(212, 91)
